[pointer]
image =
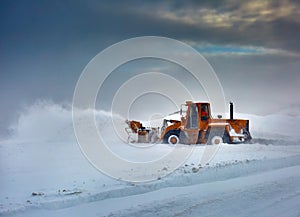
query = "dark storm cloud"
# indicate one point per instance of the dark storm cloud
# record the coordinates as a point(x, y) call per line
point(272, 24)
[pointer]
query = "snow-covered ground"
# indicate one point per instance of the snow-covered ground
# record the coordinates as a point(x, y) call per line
point(44, 173)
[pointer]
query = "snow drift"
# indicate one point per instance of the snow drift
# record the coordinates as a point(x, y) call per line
point(274, 126)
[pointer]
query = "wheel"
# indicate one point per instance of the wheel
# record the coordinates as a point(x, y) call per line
point(216, 140)
point(216, 136)
point(172, 137)
point(173, 140)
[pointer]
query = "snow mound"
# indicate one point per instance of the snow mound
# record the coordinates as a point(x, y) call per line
point(274, 126)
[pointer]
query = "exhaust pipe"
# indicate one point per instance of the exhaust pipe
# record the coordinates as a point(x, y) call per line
point(231, 110)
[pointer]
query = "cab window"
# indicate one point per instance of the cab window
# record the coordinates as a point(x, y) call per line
point(204, 112)
point(193, 117)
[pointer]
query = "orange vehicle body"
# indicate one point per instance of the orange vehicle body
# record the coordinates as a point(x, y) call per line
point(196, 126)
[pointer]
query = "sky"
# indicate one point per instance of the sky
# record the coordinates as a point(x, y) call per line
point(253, 47)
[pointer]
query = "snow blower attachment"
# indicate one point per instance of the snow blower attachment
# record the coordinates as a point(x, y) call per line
point(192, 125)
point(138, 133)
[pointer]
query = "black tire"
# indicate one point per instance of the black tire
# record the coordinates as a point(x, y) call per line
point(217, 133)
point(171, 133)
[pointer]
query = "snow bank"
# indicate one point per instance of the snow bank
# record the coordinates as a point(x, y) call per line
point(51, 199)
point(273, 126)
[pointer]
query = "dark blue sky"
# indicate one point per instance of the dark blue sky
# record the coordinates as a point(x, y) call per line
point(252, 45)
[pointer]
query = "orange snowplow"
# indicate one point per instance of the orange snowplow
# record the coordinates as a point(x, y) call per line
point(193, 124)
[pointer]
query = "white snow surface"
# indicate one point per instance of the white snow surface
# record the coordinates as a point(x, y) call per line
point(44, 173)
